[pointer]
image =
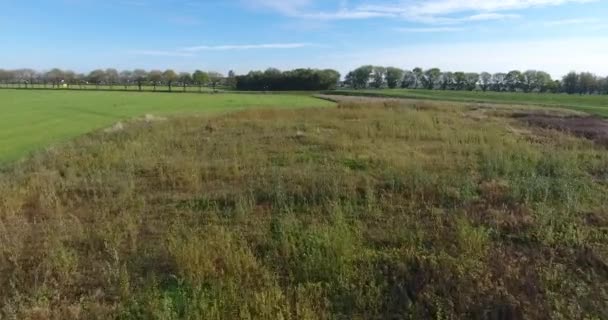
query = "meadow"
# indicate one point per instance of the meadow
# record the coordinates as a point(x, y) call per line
point(34, 119)
point(592, 104)
point(369, 210)
point(117, 87)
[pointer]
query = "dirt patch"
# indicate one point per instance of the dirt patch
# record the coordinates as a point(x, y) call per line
point(592, 128)
point(118, 126)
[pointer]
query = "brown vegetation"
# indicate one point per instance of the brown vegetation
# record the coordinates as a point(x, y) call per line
point(374, 211)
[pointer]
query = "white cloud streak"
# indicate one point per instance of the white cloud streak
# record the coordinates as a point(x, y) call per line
point(191, 51)
point(247, 47)
point(430, 30)
point(160, 53)
point(423, 11)
point(570, 22)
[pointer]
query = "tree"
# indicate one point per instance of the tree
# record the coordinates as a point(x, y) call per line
point(430, 78)
point(543, 81)
point(111, 77)
point(140, 76)
point(96, 77)
point(349, 79)
point(570, 83)
point(298, 79)
point(418, 74)
point(446, 81)
point(80, 79)
point(55, 76)
point(231, 80)
point(471, 79)
point(485, 81)
point(528, 83)
point(361, 76)
point(328, 79)
point(553, 86)
point(409, 80)
point(200, 78)
point(604, 85)
point(155, 76)
point(513, 80)
point(125, 78)
point(185, 79)
point(215, 78)
point(587, 83)
point(25, 76)
point(393, 77)
point(5, 76)
point(498, 82)
point(69, 77)
point(378, 75)
point(169, 76)
point(460, 80)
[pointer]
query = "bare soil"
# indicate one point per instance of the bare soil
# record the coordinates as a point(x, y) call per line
point(589, 127)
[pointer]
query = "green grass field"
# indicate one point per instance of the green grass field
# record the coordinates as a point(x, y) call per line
point(593, 104)
point(32, 119)
point(92, 87)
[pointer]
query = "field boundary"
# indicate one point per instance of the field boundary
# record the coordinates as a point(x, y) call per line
point(586, 109)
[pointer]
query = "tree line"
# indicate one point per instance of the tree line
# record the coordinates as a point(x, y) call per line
point(298, 79)
point(271, 79)
point(111, 78)
point(514, 81)
point(313, 79)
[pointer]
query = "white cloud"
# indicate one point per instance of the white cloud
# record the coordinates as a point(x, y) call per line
point(424, 11)
point(159, 53)
point(247, 47)
point(569, 22)
point(430, 30)
point(492, 16)
point(191, 51)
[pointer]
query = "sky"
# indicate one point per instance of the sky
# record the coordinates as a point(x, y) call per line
point(556, 36)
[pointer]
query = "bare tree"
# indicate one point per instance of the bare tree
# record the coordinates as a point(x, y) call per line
point(125, 78)
point(111, 77)
point(55, 76)
point(97, 77)
point(185, 79)
point(215, 78)
point(140, 76)
point(155, 76)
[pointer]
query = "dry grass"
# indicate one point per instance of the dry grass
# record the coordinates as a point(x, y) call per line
point(359, 212)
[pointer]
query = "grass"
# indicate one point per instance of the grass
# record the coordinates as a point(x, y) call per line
point(33, 119)
point(592, 104)
point(377, 211)
point(130, 88)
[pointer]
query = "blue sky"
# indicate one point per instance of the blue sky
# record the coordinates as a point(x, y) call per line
point(475, 35)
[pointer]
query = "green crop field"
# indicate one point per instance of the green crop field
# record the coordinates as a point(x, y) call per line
point(31, 119)
point(593, 104)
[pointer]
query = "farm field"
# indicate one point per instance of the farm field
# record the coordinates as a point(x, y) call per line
point(32, 119)
point(592, 104)
point(132, 87)
point(375, 209)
